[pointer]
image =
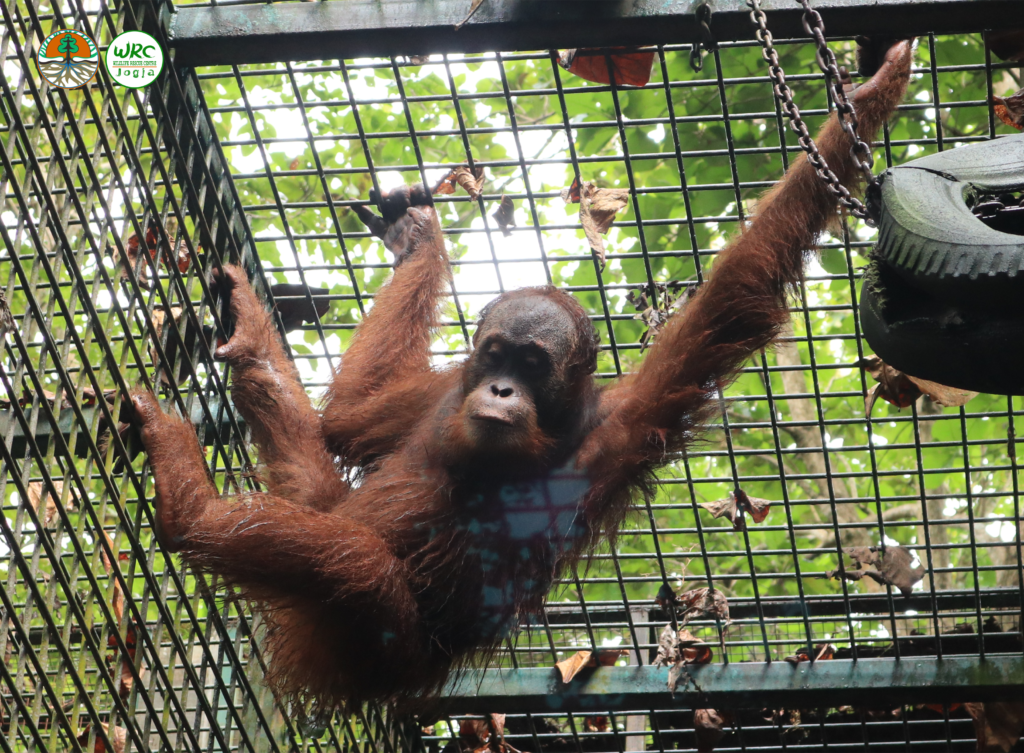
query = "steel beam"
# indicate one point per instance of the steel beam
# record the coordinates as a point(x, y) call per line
point(742, 685)
point(276, 32)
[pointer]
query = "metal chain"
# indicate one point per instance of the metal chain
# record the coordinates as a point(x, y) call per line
point(860, 152)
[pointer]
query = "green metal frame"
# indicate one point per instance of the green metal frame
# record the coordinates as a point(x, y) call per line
point(277, 32)
point(742, 685)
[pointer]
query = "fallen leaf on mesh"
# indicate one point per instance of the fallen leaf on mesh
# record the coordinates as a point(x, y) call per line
point(675, 674)
point(6, 318)
point(703, 602)
point(997, 724)
point(154, 244)
point(692, 650)
point(481, 736)
point(123, 663)
point(473, 8)
point(505, 215)
point(629, 68)
point(1010, 109)
point(681, 646)
point(901, 390)
point(117, 601)
point(118, 738)
point(108, 566)
point(822, 652)
point(892, 567)
point(295, 306)
point(48, 511)
point(598, 207)
point(738, 502)
point(709, 727)
point(474, 732)
point(671, 297)
point(472, 181)
point(573, 665)
point(1007, 45)
point(571, 195)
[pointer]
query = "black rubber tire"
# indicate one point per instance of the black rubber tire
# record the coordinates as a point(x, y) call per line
point(943, 298)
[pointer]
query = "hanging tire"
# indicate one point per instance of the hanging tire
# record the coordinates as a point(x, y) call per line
point(943, 296)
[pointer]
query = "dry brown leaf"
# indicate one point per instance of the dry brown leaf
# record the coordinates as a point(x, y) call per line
point(1010, 109)
point(123, 662)
point(107, 564)
point(675, 674)
point(629, 68)
point(571, 195)
point(997, 724)
point(571, 666)
point(598, 207)
point(691, 650)
point(155, 243)
point(670, 299)
point(6, 318)
point(892, 567)
point(472, 181)
point(667, 647)
point(505, 215)
point(738, 502)
point(36, 492)
point(474, 733)
point(709, 726)
point(948, 397)
point(900, 389)
point(703, 602)
point(574, 664)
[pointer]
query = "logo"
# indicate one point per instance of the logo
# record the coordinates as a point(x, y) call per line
point(134, 59)
point(68, 59)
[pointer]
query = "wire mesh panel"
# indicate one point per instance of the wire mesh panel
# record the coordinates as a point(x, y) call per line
point(307, 140)
point(107, 644)
point(107, 641)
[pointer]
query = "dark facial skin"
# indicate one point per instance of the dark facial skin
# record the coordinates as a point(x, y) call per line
point(515, 381)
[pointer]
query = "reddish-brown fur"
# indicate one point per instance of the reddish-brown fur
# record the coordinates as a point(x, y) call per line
point(378, 589)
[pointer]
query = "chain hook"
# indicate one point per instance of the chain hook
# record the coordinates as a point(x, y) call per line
point(705, 38)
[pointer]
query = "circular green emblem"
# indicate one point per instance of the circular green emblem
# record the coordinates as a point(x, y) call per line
point(134, 59)
point(68, 59)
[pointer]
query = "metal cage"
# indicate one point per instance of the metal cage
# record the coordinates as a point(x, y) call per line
point(269, 123)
